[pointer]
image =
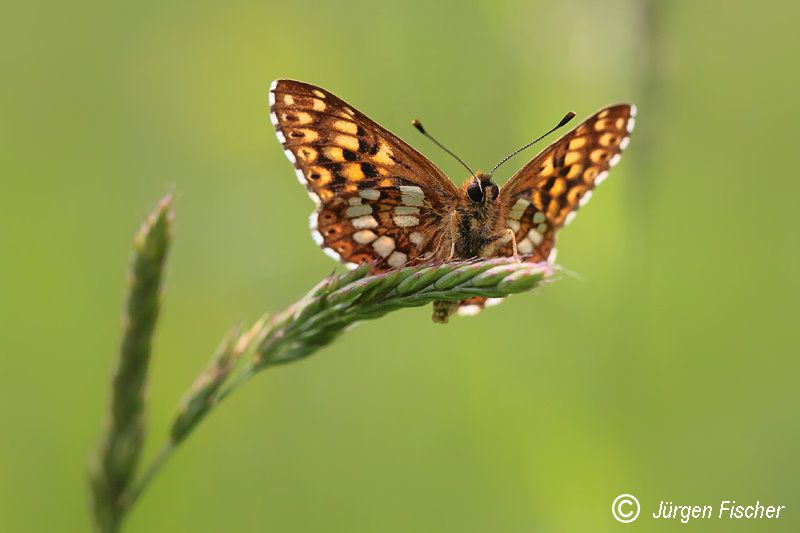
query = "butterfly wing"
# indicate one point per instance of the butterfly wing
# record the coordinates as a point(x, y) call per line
point(378, 199)
point(547, 192)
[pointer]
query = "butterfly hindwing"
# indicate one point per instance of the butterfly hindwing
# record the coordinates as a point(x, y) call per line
point(547, 192)
point(376, 225)
point(378, 198)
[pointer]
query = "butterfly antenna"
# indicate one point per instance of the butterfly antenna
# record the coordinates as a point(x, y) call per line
point(569, 116)
point(417, 124)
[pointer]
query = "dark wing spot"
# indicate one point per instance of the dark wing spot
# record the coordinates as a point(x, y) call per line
point(368, 170)
point(550, 182)
point(361, 131)
point(363, 146)
point(349, 155)
point(365, 184)
point(545, 201)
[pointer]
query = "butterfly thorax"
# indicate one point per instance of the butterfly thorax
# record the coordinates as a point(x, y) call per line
point(476, 217)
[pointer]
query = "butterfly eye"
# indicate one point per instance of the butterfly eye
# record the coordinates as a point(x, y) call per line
point(474, 192)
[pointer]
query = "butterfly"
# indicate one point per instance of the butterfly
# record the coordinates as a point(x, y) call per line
point(380, 201)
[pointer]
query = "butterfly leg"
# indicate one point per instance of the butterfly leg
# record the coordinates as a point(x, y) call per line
point(490, 250)
point(510, 231)
point(453, 230)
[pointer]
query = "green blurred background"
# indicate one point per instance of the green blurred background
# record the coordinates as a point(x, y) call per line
point(666, 369)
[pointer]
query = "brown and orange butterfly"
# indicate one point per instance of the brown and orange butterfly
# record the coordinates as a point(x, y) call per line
point(381, 201)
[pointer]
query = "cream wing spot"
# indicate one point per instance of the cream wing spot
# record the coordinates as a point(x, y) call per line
point(415, 238)
point(535, 237)
point(570, 217)
point(518, 209)
point(364, 236)
point(601, 177)
point(367, 221)
point(525, 246)
point(271, 97)
point(288, 99)
point(624, 143)
point(355, 211)
point(538, 217)
point(290, 156)
point(406, 210)
point(614, 160)
point(405, 221)
point(383, 246)
point(317, 236)
point(634, 110)
point(318, 93)
point(469, 310)
point(318, 105)
point(281, 136)
point(551, 258)
point(397, 259)
point(631, 124)
point(513, 224)
point(585, 199)
point(333, 254)
point(412, 195)
point(369, 194)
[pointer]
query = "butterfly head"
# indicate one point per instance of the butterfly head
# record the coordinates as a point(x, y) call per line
point(480, 189)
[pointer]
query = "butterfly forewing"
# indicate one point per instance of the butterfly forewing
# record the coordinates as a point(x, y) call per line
point(378, 199)
point(547, 192)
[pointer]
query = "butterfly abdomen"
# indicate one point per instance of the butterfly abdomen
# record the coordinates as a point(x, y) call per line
point(442, 311)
